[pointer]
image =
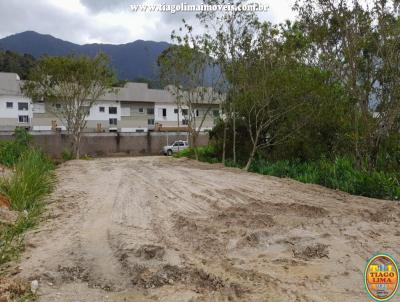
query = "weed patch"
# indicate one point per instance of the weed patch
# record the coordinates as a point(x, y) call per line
point(33, 178)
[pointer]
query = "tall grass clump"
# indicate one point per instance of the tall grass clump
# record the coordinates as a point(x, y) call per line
point(67, 155)
point(205, 153)
point(11, 151)
point(341, 174)
point(32, 180)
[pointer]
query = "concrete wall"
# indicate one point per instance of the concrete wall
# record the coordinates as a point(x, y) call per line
point(106, 144)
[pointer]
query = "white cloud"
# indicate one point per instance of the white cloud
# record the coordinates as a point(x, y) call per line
point(103, 21)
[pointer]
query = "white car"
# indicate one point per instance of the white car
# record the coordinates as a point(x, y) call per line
point(175, 147)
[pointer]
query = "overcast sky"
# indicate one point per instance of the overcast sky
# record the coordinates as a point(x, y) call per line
point(104, 21)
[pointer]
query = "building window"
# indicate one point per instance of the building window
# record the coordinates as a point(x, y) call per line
point(162, 112)
point(176, 110)
point(216, 113)
point(185, 122)
point(150, 121)
point(58, 106)
point(197, 112)
point(150, 110)
point(23, 119)
point(112, 110)
point(184, 111)
point(141, 110)
point(9, 105)
point(113, 121)
point(22, 106)
point(139, 130)
point(101, 109)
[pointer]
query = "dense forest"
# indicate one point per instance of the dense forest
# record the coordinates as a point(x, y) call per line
point(14, 62)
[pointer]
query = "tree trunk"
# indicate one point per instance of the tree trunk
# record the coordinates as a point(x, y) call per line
point(374, 153)
point(251, 157)
point(253, 152)
point(194, 144)
point(234, 137)
point(224, 143)
point(76, 144)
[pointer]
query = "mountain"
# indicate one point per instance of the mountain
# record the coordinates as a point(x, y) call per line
point(130, 61)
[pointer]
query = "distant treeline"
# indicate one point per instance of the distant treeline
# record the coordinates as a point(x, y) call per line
point(13, 62)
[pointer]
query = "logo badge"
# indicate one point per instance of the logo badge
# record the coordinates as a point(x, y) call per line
point(381, 277)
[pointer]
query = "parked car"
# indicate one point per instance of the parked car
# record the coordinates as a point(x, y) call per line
point(175, 147)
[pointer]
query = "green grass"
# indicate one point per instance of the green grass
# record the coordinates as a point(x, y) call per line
point(32, 180)
point(341, 173)
point(205, 153)
point(11, 151)
point(67, 155)
point(27, 297)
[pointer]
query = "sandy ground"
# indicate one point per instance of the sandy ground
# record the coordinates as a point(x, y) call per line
point(163, 229)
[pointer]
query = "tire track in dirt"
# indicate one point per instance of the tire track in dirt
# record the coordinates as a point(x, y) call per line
point(158, 228)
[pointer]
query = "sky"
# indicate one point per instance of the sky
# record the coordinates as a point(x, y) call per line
point(106, 21)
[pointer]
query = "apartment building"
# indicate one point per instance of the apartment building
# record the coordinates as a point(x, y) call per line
point(15, 109)
point(132, 108)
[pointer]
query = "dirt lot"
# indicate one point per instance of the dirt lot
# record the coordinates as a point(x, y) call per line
point(163, 229)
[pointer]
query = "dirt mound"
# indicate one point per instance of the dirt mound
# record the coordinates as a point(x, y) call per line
point(73, 273)
point(252, 239)
point(247, 217)
point(170, 274)
point(184, 223)
point(297, 209)
point(387, 213)
point(311, 251)
point(305, 210)
point(150, 251)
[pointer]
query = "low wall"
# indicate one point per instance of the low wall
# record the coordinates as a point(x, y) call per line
point(104, 144)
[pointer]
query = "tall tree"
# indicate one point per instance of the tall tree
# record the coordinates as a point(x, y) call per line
point(74, 82)
point(228, 32)
point(358, 44)
point(194, 77)
point(14, 62)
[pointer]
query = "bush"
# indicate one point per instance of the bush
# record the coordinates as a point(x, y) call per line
point(205, 153)
point(188, 152)
point(339, 174)
point(33, 179)
point(11, 151)
point(67, 155)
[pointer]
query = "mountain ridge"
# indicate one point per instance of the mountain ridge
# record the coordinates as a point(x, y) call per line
point(132, 60)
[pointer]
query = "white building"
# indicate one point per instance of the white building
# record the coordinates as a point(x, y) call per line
point(15, 109)
point(132, 108)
